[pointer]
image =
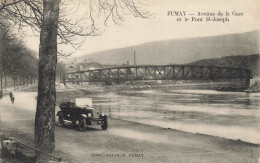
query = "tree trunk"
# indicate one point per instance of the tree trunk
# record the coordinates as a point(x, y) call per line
point(1, 82)
point(5, 82)
point(14, 82)
point(45, 113)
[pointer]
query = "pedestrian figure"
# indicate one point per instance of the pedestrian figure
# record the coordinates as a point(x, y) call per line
point(11, 97)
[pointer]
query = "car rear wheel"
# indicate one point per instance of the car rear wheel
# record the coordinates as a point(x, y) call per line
point(105, 125)
point(82, 124)
point(61, 120)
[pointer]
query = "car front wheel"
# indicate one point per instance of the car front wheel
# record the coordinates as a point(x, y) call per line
point(82, 124)
point(105, 125)
point(61, 120)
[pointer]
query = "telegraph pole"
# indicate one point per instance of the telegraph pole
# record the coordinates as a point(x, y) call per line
point(134, 58)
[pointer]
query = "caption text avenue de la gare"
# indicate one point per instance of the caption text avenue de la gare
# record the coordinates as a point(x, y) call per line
point(199, 16)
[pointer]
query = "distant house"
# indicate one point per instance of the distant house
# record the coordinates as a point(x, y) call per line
point(89, 66)
point(70, 68)
point(84, 66)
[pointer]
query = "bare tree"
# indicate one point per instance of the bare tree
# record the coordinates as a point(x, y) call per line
point(51, 18)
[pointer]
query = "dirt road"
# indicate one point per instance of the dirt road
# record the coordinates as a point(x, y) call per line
point(124, 141)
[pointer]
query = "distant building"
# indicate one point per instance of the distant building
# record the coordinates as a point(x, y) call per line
point(83, 66)
point(91, 65)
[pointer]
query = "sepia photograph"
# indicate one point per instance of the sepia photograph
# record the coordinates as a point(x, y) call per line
point(129, 81)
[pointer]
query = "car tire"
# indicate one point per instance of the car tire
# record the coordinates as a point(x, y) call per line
point(61, 120)
point(82, 124)
point(105, 125)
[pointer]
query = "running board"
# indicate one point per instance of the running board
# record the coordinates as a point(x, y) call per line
point(66, 121)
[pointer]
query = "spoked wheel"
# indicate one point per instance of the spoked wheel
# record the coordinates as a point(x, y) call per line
point(105, 125)
point(61, 120)
point(82, 124)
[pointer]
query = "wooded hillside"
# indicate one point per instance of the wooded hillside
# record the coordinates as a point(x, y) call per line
point(251, 62)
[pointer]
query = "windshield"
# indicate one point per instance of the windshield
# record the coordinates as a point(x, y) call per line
point(84, 102)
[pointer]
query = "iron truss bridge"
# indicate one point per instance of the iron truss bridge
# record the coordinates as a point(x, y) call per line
point(158, 72)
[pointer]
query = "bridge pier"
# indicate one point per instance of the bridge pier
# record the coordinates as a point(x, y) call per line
point(247, 83)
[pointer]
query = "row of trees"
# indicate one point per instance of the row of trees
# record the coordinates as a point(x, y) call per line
point(16, 60)
point(18, 63)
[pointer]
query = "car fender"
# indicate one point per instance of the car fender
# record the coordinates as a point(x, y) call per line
point(84, 115)
point(59, 113)
point(103, 116)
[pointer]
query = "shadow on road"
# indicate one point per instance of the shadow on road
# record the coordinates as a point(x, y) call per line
point(72, 127)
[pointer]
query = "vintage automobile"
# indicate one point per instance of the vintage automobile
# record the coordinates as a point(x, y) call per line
point(81, 114)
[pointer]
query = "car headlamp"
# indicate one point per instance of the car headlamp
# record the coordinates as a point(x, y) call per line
point(89, 114)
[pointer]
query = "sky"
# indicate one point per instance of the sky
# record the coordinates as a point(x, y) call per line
point(134, 31)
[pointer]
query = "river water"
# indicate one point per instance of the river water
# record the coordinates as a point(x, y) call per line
point(232, 115)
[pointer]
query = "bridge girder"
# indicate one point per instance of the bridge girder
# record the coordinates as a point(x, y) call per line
point(160, 72)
